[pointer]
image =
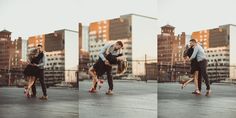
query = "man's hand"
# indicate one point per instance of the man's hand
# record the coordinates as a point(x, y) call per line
point(187, 59)
point(107, 62)
point(33, 64)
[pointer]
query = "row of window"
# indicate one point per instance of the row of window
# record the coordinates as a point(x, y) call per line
point(54, 64)
point(218, 60)
point(216, 55)
point(219, 50)
point(55, 59)
point(94, 46)
point(60, 54)
point(219, 64)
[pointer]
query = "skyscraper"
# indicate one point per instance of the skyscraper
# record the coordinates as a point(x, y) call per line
point(170, 53)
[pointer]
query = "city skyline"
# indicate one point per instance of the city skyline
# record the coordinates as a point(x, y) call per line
point(31, 17)
point(195, 15)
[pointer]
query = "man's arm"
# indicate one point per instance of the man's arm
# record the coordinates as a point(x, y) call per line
point(102, 52)
point(120, 53)
point(194, 53)
point(43, 62)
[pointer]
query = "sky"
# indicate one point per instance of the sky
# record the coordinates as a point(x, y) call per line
point(194, 15)
point(26, 18)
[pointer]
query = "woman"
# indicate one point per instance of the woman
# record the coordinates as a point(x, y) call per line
point(99, 68)
point(31, 70)
point(194, 70)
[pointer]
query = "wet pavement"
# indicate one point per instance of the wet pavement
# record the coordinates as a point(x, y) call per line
point(62, 103)
point(131, 99)
point(176, 103)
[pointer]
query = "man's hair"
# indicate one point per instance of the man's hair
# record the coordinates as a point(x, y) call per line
point(193, 40)
point(120, 43)
point(40, 45)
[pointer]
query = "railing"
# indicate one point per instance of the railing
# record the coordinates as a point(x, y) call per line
point(56, 76)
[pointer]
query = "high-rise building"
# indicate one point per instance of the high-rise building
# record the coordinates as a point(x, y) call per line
point(18, 53)
point(11, 53)
point(218, 37)
point(231, 35)
point(218, 63)
point(133, 30)
point(34, 41)
point(5, 48)
point(211, 38)
point(202, 37)
point(170, 53)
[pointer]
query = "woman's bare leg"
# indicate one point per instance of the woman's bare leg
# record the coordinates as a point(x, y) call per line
point(186, 83)
point(196, 81)
point(92, 73)
point(31, 82)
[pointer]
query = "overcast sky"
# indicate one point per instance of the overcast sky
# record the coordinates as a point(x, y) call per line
point(33, 17)
point(194, 15)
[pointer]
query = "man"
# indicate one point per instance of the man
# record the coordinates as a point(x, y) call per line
point(109, 54)
point(202, 62)
point(42, 62)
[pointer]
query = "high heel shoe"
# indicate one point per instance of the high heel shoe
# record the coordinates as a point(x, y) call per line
point(183, 85)
point(92, 90)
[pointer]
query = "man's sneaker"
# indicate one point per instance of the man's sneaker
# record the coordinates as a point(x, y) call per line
point(92, 90)
point(208, 93)
point(196, 92)
point(109, 92)
point(44, 98)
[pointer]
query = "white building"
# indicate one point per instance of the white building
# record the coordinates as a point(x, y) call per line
point(71, 51)
point(231, 31)
point(218, 63)
point(55, 67)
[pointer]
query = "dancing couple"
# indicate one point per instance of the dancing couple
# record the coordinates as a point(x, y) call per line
point(111, 54)
point(35, 69)
point(196, 55)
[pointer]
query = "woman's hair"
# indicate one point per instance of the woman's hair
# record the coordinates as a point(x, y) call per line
point(122, 67)
point(186, 51)
point(32, 54)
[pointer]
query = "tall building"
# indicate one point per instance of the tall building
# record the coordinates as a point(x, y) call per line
point(5, 48)
point(62, 54)
point(218, 63)
point(210, 38)
point(133, 30)
point(170, 53)
point(231, 35)
point(34, 41)
point(202, 37)
point(18, 53)
point(11, 53)
point(218, 37)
